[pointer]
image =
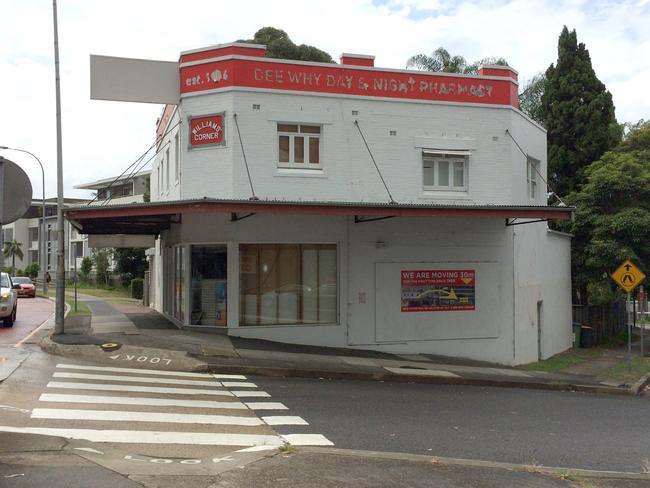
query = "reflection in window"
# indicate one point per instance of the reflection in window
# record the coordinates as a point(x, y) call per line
point(288, 284)
point(209, 281)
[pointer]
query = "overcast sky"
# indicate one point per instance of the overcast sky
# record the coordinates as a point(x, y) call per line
point(100, 138)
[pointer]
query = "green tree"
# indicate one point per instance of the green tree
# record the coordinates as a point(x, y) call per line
point(612, 221)
point(32, 270)
point(12, 249)
point(530, 98)
point(86, 268)
point(131, 262)
point(102, 264)
point(441, 60)
point(279, 45)
point(578, 114)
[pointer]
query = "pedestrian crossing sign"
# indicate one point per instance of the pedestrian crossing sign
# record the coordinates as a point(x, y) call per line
point(628, 276)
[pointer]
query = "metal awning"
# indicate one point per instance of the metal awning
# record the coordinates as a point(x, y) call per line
point(153, 217)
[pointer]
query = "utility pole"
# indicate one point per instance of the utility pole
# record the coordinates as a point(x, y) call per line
point(60, 255)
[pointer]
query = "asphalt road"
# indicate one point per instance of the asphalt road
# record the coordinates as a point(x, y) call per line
point(560, 429)
point(32, 312)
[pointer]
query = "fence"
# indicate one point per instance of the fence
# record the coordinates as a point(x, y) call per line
point(604, 320)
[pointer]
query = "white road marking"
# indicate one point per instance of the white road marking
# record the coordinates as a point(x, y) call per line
point(284, 420)
point(135, 379)
point(238, 384)
point(14, 409)
point(136, 370)
point(229, 376)
point(118, 415)
point(256, 449)
point(158, 402)
point(28, 336)
point(88, 449)
point(152, 437)
point(266, 406)
point(137, 388)
point(240, 394)
point(307, 440)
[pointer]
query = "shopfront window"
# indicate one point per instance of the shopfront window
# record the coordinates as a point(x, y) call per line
point(179, 282)
point(209, 283)
point(288, 284)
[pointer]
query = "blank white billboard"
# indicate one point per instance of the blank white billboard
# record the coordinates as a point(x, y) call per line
point(134, 80)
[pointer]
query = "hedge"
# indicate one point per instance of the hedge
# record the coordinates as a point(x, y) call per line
point(137, 288)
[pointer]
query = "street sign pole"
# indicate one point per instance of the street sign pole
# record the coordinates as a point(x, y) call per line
point(629, 332)
point(641, 314)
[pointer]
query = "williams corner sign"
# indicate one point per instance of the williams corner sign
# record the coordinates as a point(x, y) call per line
point(207, 130)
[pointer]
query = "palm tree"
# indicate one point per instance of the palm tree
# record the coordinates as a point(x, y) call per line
point(11, 250)
point(441, 60)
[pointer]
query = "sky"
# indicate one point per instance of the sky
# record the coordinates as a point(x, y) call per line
point(101, 138)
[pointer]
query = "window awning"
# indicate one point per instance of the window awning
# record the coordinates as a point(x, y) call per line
point(448, 152)
point(154, 217)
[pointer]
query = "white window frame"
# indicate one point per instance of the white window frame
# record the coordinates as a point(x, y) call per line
point(177, 157)
point(532, 186)
point(306, 135)
point(167, 169)
point(451, 156)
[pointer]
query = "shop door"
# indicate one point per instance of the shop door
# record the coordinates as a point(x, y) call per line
point(209, 285)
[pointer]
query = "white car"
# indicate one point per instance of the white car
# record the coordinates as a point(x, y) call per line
point(8, 300)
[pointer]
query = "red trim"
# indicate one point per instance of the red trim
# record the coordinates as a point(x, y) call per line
point(346, 80)
point(357, 61)
point(318, 209)
point(224, 51)
point(506, 72)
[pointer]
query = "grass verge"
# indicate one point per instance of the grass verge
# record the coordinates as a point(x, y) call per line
point(564, 360)
point(620, 372)
point(82, 308)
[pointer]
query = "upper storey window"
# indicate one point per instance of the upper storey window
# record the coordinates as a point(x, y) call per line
point(299, 146)
point(444, 170)
point(532, 168)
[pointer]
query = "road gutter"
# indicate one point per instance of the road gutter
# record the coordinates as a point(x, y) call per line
point(529, 468)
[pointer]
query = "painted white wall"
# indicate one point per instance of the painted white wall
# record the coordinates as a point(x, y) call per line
point(542, 273)
point(348, 174)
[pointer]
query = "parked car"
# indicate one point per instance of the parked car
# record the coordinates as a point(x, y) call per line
point(8, 300)
point(26, 287)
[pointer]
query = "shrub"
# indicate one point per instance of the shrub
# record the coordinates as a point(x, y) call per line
point(32, 270)
point(86, 268)
point(137, 288)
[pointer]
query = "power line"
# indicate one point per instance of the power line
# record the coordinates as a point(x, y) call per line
point(392, 200)
point(140, 158)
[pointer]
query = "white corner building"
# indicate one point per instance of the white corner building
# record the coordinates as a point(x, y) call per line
point(345, 205)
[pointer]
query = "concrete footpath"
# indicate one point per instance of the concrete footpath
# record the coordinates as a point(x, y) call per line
point(127, 334)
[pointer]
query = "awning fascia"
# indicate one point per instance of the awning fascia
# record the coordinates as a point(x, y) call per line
point(165, 210)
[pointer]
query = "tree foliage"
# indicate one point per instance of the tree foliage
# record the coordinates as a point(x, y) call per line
point(279, 45)
point(101, 260)
point(131, 262)
point(86, 268)
point(612, 221)
point(13, 250)
point(578, 114)
point(530, 98)
point(441, 60)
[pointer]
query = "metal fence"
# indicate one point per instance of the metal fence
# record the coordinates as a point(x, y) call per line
point(604, 320)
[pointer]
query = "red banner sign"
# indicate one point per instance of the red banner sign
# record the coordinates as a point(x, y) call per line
point(207, 130)
point(349, 81)
point(431, 290)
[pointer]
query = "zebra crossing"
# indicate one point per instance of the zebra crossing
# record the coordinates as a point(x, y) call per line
point(146, 406)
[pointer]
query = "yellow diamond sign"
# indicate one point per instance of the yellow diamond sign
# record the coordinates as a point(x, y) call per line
point(628, 276)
